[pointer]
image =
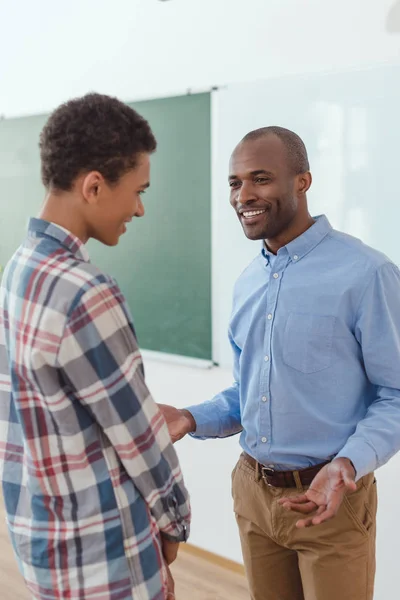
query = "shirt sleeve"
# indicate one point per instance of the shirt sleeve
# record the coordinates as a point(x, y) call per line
point(220, 417)
point(377, 436)
point(7, 444)
point(101, 362)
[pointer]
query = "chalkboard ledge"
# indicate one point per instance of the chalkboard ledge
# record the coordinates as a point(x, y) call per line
point(176, 359)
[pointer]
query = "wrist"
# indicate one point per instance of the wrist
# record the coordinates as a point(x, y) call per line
point(350, 463)
point(191, 423)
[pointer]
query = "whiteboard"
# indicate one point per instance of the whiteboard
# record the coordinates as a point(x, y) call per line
point(350, 123)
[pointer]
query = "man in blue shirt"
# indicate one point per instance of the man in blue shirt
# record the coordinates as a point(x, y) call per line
point(315, 333)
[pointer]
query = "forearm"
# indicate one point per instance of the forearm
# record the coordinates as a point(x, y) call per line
point(166, 486)
point(377, 330)
point(143, 445)
point(219, 417)
point(377, 436)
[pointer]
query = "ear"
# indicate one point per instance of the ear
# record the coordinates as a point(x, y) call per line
point(304, 181)
point(92, 185)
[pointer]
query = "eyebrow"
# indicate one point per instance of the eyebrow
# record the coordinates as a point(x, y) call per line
point(253, 174)
point(145, 186)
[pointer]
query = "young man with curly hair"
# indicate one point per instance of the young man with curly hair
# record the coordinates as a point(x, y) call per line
point(96, 505)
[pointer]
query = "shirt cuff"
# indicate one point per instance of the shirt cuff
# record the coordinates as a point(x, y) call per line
point(182, 536)
point(361, 455)
point(207, 421)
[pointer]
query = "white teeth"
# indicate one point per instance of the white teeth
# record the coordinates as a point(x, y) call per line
point(252, 213)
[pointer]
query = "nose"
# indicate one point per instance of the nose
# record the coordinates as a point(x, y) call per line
point(246, 193)
point(139, 209)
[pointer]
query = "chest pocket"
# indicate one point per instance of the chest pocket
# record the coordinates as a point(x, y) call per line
point(308, 342)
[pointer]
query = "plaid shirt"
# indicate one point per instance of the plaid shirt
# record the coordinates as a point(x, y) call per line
point(90, 477)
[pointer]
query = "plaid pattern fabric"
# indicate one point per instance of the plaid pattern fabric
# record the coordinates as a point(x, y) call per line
point(90, 477)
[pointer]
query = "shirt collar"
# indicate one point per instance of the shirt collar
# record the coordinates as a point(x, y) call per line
point(306, 242)
point(41, 228)
point(266, 253)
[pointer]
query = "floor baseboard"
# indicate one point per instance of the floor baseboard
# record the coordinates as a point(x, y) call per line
point(215, 559)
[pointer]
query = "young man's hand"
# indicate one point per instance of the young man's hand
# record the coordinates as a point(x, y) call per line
point(325, 494)
point(179, 421)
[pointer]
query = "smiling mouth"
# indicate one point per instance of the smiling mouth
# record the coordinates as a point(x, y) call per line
point(250, 214)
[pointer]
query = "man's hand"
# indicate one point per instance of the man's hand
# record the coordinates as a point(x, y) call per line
point(169, 550)
point(179, 421)
point(325, 494)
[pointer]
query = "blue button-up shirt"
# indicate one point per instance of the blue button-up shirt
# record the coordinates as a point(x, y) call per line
point(315, 334)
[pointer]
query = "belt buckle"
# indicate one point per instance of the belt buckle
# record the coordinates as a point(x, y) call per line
point(265, 472)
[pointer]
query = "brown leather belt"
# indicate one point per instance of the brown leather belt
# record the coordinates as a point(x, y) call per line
point(284, 479)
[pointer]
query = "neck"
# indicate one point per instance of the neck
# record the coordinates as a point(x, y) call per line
point(61, 210)
point(295, 229)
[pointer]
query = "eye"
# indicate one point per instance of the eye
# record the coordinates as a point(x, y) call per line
point(142, 192)
point(234, 184)
point(262, 180)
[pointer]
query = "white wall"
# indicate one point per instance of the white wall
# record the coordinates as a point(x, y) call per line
point(50, 51)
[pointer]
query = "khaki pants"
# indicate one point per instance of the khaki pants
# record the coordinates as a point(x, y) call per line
point(331, 561)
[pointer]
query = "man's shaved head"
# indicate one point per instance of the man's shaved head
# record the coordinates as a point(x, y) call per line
point(297, 153)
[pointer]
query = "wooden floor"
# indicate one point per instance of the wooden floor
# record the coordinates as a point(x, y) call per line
point(198, 579)
point(195, 578)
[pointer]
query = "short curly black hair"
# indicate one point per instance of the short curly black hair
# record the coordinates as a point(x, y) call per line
point(92, 133)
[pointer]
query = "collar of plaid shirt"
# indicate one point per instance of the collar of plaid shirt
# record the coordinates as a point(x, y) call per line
point(39, 227)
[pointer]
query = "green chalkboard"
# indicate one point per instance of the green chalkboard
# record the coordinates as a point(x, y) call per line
point(21, 191)
point(163, 262)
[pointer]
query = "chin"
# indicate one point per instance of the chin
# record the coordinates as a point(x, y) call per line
point(107, 240)
point(254, 235)
point(112, 242)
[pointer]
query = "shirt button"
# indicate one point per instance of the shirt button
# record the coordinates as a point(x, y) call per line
point(269, 317)
point(266, 358)
point(295, 257)
point(264, 398)
point(264, 439)
point(275, 275)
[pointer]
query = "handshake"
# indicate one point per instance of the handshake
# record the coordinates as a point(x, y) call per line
point(180, 421)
